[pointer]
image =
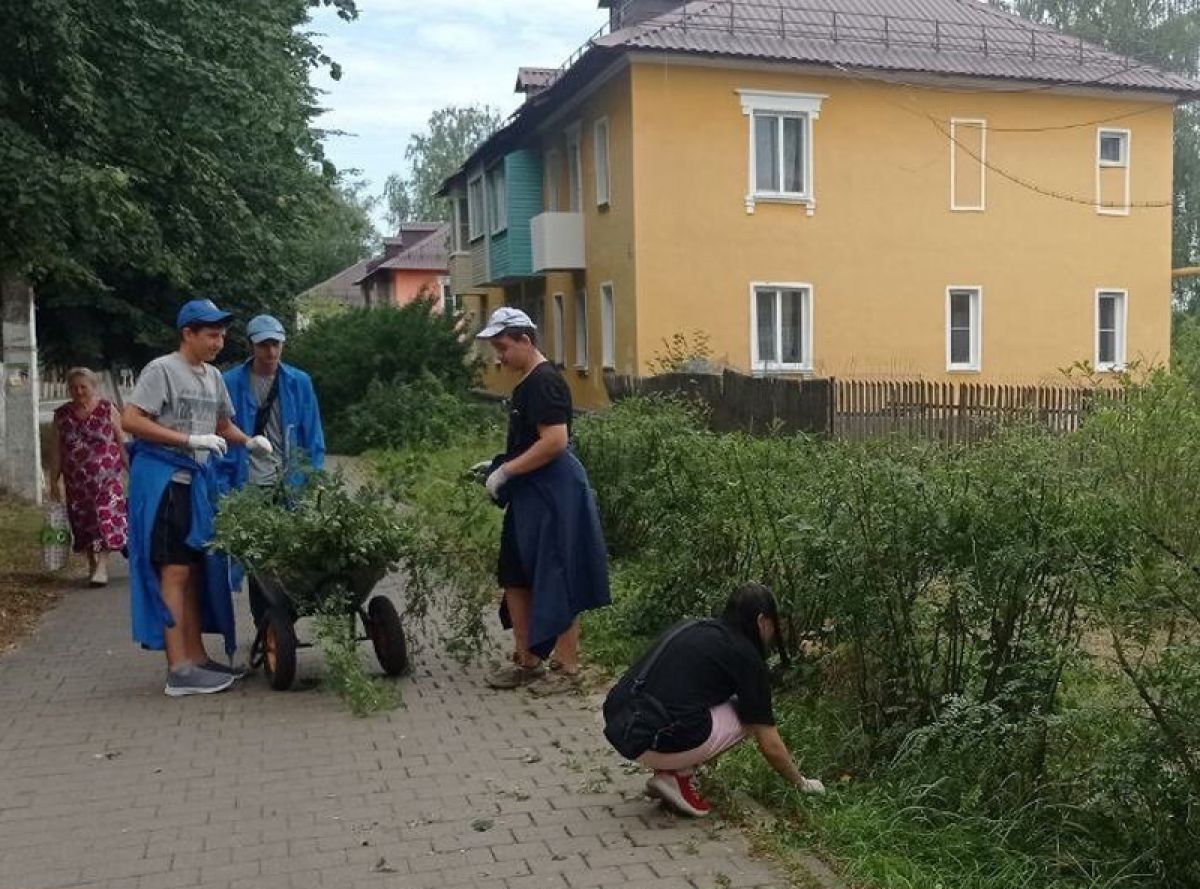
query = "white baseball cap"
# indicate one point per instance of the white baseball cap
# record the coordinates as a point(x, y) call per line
point(502, 319)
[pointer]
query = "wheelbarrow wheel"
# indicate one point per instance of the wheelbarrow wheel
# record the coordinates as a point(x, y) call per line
point(387, 635)
point(279, 650)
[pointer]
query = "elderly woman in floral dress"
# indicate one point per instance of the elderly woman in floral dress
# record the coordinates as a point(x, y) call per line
point(91, 460)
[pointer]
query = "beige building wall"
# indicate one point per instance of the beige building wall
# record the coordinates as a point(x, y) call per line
point(883, 244)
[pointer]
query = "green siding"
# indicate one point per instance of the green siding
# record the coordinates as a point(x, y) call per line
point(511, 251)
point(523, 171)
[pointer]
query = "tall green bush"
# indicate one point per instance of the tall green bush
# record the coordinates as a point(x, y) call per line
point(346, 353)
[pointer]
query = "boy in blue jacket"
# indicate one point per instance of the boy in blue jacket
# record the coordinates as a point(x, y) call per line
point(277, 401)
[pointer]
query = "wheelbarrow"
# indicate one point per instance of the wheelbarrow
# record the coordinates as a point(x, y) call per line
point(276, 643)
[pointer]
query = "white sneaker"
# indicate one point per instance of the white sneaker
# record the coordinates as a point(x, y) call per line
point(99, 576)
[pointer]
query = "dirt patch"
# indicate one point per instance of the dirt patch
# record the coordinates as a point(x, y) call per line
point(26, 590)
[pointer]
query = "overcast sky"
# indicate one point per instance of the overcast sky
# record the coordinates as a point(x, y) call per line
point(402, 59)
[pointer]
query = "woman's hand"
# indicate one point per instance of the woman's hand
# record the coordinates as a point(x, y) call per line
point(811, 786)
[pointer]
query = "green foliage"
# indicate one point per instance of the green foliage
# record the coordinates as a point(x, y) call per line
point(434, 156)
point(997, 660)
point(398, 201)
point(344, 672)
point(347, 352)
point(451, 563)
point(407, 414)
point(330, 541)
point(150, 153)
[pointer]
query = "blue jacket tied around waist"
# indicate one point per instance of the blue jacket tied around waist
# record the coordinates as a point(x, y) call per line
point(298, 411)
point(149, 476)
point(561, 546)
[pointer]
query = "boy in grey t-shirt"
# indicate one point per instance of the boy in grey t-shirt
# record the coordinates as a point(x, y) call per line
point(180, 402)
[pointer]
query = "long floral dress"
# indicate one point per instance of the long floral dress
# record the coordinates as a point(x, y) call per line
point(91, 453)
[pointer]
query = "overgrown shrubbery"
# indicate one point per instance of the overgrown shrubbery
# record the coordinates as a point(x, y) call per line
point(961, 601)
point(997, 644)
point(379, 372)
point(407, 414)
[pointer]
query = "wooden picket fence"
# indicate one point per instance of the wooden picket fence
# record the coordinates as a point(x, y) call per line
point(955, 412)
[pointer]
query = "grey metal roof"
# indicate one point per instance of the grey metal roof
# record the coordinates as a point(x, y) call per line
point(945, 37)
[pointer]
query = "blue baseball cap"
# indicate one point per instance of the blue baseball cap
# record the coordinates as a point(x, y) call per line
point(265, 327)
point(201, 311)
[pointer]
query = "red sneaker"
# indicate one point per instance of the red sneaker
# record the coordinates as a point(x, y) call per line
point(679, 792)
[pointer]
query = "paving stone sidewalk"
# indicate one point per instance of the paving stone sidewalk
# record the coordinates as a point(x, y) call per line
point(105, 782)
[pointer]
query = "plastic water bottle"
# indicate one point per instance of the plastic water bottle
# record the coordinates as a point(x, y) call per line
point(56, 537)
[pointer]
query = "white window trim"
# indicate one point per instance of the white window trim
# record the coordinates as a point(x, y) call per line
point(552, 162)
point(477, 221)
point(1102, 165)
point(1122, 330)
point(608, 338)
point(574, 136)
point(603, 197)
point(976, 363)
point(757, 365)
point(581, 362)
point(806, 106)
point(497, 216)
point(981, 125)
point(560, 328)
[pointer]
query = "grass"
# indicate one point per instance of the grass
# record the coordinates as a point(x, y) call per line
point(26, 590)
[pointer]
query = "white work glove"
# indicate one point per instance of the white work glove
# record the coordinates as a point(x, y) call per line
point(213, 443)
point(495, 482)
point(259, 445)
point(812, 786)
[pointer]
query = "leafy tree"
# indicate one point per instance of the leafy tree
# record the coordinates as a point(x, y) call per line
point(454, 132)
point(398, 201)
point(151, 152)
point(1165, 33)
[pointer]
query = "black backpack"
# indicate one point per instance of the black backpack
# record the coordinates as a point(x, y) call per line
point(633, 719)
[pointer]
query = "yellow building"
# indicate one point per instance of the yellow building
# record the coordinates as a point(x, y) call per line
point(830, 188)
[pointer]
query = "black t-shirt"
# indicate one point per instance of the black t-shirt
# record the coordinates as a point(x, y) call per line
point(541, 399)
point(705, 666)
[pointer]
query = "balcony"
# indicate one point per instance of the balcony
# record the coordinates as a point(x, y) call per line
point(557, 242)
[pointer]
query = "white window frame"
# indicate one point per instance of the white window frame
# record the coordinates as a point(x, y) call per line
point(476, 209)
point(449, 298)
point(757, 364)
point(1121, 332)
point(574, 134)
point(1125, 163)
point(581, 329)
point(553, 164)
point(806, 107)
point(981, 125)
point(608, 325)
point(560, 329)
point(975, 364)
point(600, 145)
point(497, 202)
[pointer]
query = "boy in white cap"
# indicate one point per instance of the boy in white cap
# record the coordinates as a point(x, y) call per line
point(553, 564)
point(180, 416)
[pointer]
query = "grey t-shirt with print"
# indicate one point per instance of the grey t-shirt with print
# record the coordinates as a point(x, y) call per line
point(185, 398)
point(265, 468)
